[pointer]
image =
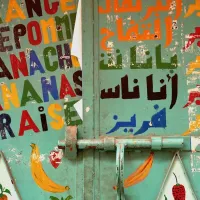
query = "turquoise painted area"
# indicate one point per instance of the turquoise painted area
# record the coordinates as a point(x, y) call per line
point(93, 174)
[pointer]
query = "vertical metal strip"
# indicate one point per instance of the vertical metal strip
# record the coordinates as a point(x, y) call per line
point(88, 91)
point(97, 194)
point(95, 66)
point(88, 69)
point(88, 161)
point(120, 172)
point(97, 158)
point(79, 176)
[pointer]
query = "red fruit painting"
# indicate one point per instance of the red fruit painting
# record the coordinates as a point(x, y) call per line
point(55, 158)
point(178, 190)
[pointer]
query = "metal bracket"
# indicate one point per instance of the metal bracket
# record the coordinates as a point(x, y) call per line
point(156, 143)
point(70, 142)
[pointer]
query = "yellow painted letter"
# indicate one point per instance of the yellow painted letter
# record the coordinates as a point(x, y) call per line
point(59, 122)
point(75, 61)
point(14, 11)
point(65, 7)
point(11, 95)
point(49, 25)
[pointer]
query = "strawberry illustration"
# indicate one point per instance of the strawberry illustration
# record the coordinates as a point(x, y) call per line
point(178, 190)
point(55, 158)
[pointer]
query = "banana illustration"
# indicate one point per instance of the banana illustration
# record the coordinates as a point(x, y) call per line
point(140, 174)
point(39, 175)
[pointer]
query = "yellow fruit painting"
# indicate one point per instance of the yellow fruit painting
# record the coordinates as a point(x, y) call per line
point(39, 175)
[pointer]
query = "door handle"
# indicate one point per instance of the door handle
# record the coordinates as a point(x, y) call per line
point(70, 145)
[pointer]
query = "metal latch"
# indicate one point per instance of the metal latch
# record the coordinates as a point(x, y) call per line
point(71, 145)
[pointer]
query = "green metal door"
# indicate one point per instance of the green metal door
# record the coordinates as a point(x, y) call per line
point(139, 87)
point(141, 95)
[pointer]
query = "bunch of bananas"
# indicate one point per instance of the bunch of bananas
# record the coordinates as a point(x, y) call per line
point(39, 175)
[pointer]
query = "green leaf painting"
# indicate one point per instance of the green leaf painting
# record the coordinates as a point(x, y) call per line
point(67, 198)
point(54, 198)
point(4, 191)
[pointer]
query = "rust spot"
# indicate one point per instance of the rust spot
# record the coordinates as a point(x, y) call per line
point(115, 187)
point(92, 147)
point(61, 147)
point(58, 28)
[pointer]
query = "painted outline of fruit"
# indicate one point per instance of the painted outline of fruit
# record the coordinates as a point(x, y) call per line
point(3, 191)
point(39, 175)
point(178, 190)
point(55, 198)
point(139, 174)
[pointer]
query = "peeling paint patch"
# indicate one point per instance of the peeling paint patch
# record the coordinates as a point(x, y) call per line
point(195, 163)
point(87, 109)
point(195, 144)
point(40, 158)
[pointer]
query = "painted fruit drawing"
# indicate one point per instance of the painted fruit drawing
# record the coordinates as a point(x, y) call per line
point(67, 198)
point(178, 190)
point(139, 174)
point(3, 193)
point(39, 175)
point(55, 158)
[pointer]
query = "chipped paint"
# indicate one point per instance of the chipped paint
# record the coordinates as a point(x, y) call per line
point(195, 143)
point(195, 163)
point(87, 109)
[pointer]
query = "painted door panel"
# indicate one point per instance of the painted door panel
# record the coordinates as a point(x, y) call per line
point(143, 82)
point(140, 99)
